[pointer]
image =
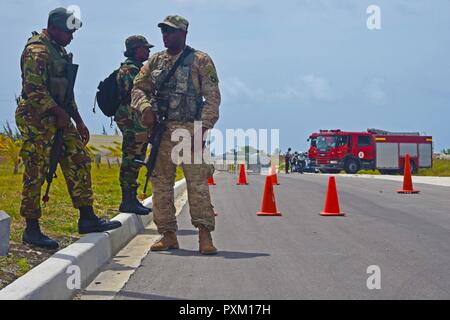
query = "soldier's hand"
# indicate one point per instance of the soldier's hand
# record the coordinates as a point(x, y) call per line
point(84, 132)
point(62, 118)
point(148, 118)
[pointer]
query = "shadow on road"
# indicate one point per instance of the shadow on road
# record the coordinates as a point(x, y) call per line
point(187, 232)
point(221, 254)
point(127, 295)
point(149, 232)
point(182, 232)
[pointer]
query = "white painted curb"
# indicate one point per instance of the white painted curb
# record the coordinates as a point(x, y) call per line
point(57, 277)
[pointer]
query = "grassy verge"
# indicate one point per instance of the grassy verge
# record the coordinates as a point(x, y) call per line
point(440, 168)
point(372, 172)
point(59, 218)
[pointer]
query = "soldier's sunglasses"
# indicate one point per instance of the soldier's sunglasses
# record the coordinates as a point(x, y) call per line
point(167, 29)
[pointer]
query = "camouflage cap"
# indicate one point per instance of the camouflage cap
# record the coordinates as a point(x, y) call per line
point(64, 20)
point(134, 42)
point(176, 22)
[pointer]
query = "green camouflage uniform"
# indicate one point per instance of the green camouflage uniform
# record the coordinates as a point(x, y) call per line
point(37, 126)
point(135, 137)
point(197, 78)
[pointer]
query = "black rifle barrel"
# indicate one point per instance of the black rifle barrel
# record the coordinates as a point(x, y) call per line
point(155, 141)
point(56, 151)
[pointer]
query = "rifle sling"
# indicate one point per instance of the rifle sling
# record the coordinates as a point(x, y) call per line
point(188, 50)
point(69, 94)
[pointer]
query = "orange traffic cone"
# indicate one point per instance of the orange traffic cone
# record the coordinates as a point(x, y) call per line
point(268, 208)
point(407, 179)
point(211, 181)
point(275, 180)
point(273, 174)
point(242, 176)
point(332, 201)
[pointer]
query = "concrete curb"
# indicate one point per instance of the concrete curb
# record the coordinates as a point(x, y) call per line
point(5, 226)
point(74, 267)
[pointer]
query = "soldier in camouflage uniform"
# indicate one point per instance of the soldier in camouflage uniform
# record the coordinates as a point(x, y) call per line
point(39, 115)
point(135, 136)
point(191, 94)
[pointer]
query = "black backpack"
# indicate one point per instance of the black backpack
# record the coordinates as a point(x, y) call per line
point(107, 96)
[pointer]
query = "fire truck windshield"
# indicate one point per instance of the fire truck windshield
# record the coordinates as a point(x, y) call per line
point(324, 143)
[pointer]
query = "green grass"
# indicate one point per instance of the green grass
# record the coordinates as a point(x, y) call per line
point(16, 267)
point(440, 168)
point(99, 140)
point(373, 172)
point(59, 217)
point(23, 265)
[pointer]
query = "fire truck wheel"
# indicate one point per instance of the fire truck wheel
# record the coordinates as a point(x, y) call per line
point(352, 166)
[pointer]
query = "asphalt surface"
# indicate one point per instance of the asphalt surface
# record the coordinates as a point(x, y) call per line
point(302, 255)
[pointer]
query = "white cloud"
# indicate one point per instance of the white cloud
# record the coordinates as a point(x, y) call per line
point(309, 88)
point(236, 90)
point(374, 91)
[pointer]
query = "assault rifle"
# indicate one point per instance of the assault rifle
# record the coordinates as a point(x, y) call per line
point(160, 126)
point(155, 141)
point(56, 151)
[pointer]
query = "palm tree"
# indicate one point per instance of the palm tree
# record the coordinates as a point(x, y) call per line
point(11, 149)
point(95, 154)
point(114, 152)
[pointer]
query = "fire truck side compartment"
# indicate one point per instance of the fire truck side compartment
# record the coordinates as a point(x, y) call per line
point(408, 148)
point(425, 155)
point(387, 155)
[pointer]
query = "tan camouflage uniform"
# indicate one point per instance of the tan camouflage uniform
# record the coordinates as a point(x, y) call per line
point(205, 82)
point(37, 126)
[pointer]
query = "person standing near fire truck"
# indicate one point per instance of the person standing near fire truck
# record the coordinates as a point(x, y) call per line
point(287, 160)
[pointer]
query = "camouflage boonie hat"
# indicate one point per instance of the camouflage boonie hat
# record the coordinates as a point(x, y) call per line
point(176, 22)
point(64, 20)
point(134, 42)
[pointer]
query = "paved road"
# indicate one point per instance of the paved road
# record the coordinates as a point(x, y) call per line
point(302, 255)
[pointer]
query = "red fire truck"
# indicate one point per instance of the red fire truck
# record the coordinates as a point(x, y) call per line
point(335, 150)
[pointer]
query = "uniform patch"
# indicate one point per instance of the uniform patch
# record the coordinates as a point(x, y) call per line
point(213, 79)
point(210, 72)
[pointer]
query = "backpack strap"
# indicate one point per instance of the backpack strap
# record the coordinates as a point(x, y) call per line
point(95, 103)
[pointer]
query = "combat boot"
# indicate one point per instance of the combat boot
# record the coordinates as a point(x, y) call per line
point(167, 242)
point(206, 245)
point(131, 204)
point(89, 222)
point(33, 236)
point(138, 203)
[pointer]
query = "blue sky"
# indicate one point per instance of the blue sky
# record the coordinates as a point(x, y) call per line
point(298, 66)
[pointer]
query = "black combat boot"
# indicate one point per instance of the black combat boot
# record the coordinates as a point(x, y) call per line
point(89, 222)
point(138, 202)
point(33, 236)
point(131, 204)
